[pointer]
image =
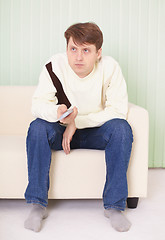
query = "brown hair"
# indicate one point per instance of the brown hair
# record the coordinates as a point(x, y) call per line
point(85, 33)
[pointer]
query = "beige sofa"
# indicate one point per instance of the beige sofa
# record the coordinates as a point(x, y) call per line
point(73, 175)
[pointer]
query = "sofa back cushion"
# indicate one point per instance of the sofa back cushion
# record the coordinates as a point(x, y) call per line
point(15, 108)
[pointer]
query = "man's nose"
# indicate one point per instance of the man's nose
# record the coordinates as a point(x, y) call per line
point(79, 56)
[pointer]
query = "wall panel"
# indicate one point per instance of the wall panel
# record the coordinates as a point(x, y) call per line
point(134, 34)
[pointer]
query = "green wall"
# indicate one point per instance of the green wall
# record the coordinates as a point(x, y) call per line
point(134, 34)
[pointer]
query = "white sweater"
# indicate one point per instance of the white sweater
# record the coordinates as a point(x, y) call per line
point(99, 97)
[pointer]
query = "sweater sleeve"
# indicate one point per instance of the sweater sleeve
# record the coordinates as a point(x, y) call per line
point(115, 103)
point(44, 101)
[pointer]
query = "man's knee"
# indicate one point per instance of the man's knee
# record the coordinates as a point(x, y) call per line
point(41, 128)
point(120, 128)
point(123, 127)
point(37, 126)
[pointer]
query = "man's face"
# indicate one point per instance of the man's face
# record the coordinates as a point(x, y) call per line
point(82, 58)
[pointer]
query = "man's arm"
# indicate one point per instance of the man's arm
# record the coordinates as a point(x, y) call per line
point(71, 127)
point(44, 101)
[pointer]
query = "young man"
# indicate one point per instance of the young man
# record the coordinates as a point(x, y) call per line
point(96, 90)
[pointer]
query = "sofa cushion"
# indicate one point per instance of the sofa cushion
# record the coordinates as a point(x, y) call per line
point(15, 105)
point(13, 170)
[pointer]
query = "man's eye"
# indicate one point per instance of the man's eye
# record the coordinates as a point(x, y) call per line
point(86, 50)
point(73, 49)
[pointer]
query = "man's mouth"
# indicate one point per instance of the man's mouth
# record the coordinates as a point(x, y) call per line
point(79, 64)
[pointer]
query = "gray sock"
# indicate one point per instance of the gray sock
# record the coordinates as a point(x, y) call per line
point(34, 220)
point(118, 220)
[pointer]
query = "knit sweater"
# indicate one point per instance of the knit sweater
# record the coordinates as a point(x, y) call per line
point(99, 97)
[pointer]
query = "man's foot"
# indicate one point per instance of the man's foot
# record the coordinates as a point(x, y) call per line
point(34, 221)
point(118, 220)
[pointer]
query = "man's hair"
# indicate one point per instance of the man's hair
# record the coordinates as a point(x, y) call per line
point(84, 33)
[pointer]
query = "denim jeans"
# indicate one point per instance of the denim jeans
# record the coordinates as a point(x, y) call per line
point(114, 136)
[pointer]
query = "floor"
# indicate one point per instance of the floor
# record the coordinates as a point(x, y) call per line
point(84, 219)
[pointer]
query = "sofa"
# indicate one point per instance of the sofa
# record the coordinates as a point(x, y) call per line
point(71, 176)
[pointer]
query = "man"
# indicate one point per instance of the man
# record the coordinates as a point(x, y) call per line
point(94, 87)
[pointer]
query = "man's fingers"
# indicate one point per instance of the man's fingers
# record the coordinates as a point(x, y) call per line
point(67, 137)
point(61, 109)
point(70, 117)
point(75, 110)
point(66, 145)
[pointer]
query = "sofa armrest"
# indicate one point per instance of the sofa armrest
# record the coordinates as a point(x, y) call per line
point(138, 118)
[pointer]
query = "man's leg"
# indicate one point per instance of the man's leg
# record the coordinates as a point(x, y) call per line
point(117, 152)
point(42, 136)
point(115, 136)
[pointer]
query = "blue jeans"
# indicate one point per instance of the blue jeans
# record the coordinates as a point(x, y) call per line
point(114, 136)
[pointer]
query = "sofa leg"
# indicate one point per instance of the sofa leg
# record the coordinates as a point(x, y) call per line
point(132, 202)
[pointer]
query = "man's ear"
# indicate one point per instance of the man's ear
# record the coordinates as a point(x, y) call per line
point(99, 53)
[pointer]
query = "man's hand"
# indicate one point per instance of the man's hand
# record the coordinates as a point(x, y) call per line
point(67, 137)
point(61, 109)
point(71, 127)
point(70, 118)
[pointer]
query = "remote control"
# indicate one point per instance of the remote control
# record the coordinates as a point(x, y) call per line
point(65, 114)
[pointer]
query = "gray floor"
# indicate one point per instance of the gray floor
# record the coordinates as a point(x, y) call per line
point(84, 219)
